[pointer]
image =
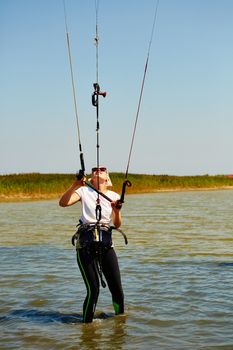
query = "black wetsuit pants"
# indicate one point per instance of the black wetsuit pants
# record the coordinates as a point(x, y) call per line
point(87, 262)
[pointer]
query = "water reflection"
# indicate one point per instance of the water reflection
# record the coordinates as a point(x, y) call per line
point(112, 333)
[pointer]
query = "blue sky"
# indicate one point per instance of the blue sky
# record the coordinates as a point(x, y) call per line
point(185, 123)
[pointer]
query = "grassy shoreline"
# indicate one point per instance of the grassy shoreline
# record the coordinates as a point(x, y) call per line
point(36, 186)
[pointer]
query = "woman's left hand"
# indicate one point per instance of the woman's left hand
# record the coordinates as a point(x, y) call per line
point(116, 205)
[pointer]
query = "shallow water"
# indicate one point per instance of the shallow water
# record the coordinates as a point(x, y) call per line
point(177, 274)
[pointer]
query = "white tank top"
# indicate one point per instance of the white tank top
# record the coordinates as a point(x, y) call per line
point(88, 199)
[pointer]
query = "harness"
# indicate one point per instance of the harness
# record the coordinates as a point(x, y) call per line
point(95, 238)
point(96, 233)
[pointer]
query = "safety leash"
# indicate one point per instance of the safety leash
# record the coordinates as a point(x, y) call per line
point(95, 103)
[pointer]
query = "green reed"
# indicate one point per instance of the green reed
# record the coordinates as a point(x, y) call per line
point(152, 183)
point(36, 185)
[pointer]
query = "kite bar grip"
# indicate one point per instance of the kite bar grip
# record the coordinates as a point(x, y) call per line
point(125, 183)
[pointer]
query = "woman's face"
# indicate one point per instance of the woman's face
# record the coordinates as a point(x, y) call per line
point(99, 174)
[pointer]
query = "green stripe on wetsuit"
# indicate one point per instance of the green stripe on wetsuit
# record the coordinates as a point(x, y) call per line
point(116, 308)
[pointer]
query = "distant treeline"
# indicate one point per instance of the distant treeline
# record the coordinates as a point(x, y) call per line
point(39, 186)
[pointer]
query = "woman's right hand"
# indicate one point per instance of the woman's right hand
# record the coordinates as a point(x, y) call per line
point(80, 174)
point(71, 196)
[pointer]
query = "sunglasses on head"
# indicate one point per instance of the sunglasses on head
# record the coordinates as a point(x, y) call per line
point(96, 169)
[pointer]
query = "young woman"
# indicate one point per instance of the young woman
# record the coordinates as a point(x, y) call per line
point(95, 252)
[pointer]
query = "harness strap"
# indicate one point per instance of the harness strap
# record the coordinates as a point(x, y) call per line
point(123, 234)
point(75, 237)
point(99, 265)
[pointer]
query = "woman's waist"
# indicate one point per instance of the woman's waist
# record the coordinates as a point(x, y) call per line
point(88, 233)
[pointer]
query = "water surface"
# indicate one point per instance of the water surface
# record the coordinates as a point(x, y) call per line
point(177, 274)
